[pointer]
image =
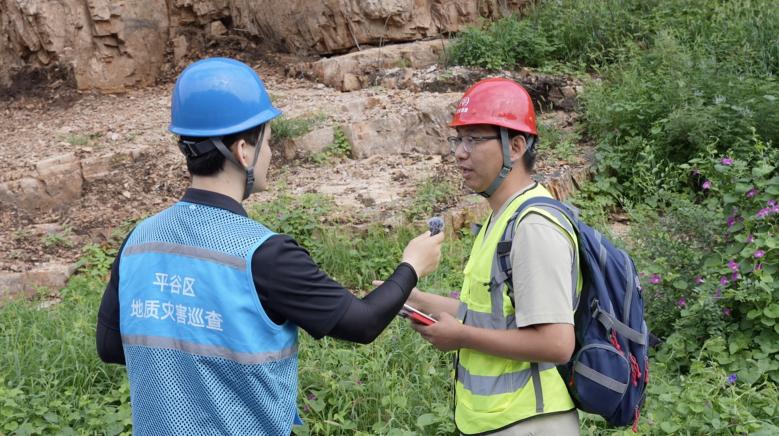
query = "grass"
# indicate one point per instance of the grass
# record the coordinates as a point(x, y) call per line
point(58, 239)
point(83, 139)
point(558, 143)
point(433, 195)
point(51, 380)
point(284, 128)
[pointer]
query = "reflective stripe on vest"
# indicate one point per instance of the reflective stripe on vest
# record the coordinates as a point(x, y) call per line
point(493, 392)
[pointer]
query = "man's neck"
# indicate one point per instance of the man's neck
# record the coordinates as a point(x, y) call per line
point(509, 187)
point(221, 184)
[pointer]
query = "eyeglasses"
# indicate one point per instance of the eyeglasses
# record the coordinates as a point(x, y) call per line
point(467, 141)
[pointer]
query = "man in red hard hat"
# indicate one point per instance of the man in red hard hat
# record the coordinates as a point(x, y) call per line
point(509, 334)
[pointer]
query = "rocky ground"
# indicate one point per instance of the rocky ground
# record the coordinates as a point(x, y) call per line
point(75, 167)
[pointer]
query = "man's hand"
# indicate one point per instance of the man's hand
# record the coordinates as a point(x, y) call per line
point(445, 335)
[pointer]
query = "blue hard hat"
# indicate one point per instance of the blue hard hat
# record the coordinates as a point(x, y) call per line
point(217, 97)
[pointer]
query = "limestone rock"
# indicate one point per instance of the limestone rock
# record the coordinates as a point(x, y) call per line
point(62, 177)
point(52, 276)
point(315, 141)
point(422, 129)
point(96, 167)
point(216, 28)
point(359, 69)
point(335, 26)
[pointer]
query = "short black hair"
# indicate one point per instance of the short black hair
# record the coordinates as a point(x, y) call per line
point(212, 162)
point(531, 141)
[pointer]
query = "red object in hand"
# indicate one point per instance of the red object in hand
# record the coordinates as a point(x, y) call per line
point(416, 316)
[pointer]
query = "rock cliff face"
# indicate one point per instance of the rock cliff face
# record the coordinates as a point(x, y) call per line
point(110, 45)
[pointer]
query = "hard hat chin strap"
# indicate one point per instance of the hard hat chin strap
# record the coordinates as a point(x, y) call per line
point(250, 170)
point(505, 169)
point(507, 163)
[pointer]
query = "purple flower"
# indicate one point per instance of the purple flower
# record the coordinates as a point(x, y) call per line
point(771, 203)
point(682, 302)
point(759, 253)
point(455, 295)
point(732, 379)
point(733, 265)
point(706, 185)
point(718, 294)
point(726, 311)
point(655, 279)
point(696, 172)
point(735, 276)
point(306, 408)
point(750, 238)
point(759, 267)
point(726, 161)
point(723, 281)
point(311, 396)
point(731, 221)
point(762, 213)
point(752, 192)
point(699, 280)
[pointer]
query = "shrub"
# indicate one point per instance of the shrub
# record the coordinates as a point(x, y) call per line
point(737, 298)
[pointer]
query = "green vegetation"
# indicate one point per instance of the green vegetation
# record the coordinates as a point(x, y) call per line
point(433, 195)
point(283, 128)
point(58, 239)
point(82, 139)
point(51, 380)
point(339, 149)
point(559, 143)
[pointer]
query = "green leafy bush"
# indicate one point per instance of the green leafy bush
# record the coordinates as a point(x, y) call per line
point(736, 298)
point(665, 106)
point(506, 43)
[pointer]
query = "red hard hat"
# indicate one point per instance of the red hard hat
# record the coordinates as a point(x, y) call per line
point(499, 102)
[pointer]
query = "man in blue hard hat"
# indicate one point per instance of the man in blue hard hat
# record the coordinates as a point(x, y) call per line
point(203, 304)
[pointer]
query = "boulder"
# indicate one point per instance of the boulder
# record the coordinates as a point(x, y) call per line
point(62, 176)
point(422, 129)
point(52, 276)
point(360, 69)
point(313, 142)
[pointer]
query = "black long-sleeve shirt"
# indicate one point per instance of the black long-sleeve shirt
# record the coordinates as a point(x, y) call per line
point(291, 288)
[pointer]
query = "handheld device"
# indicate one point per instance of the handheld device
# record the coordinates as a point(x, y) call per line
point(436, 224)
point(416, 316)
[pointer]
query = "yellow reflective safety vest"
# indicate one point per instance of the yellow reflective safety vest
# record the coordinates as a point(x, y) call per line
point(494, 392)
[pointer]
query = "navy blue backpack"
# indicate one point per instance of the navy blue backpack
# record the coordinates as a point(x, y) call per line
point(609, 370)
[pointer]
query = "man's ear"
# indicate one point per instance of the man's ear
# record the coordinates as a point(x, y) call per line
point(240, 151)
point(518, 146)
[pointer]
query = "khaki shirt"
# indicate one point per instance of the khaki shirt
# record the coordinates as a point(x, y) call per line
point(542, 262)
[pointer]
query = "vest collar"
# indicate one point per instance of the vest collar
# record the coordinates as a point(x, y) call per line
point(213, 199)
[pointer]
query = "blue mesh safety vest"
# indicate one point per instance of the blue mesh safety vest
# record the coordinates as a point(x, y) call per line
point(202, 355)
